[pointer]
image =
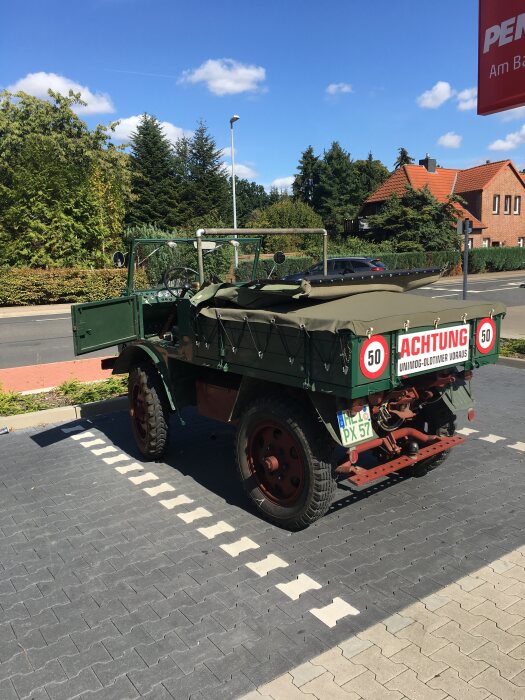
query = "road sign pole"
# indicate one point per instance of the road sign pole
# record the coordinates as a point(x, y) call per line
point(467, 230)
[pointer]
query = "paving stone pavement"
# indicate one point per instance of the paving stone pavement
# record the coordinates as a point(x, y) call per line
point(169, 586)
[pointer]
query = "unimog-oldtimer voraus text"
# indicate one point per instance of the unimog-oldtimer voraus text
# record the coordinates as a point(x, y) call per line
point(313, 373)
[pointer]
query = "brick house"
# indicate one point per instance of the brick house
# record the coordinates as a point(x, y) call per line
point(494, 195)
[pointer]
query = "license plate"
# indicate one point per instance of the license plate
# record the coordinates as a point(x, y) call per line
point(355, 429)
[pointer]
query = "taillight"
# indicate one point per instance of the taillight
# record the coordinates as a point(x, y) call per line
point(376, 269)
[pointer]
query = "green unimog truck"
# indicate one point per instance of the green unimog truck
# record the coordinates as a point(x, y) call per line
point(313, 374)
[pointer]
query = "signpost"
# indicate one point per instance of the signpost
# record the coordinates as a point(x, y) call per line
point(501, 55)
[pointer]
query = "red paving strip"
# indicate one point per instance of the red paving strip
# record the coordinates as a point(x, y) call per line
point(52, 374)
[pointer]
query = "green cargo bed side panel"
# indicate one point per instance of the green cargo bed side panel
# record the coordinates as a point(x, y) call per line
point(101, 324)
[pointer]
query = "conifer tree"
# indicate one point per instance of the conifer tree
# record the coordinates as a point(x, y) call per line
point(339, 192)
point(306, 183)
point(403, 158)
point(152, 176)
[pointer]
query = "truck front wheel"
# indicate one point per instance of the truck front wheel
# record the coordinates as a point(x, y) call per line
point(284, 461)
point(149, 411)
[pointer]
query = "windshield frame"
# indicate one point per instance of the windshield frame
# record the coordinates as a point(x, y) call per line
point(136, 242)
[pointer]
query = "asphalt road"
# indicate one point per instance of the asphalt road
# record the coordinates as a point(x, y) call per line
point(33, 340)
point(127, 580)
point(39, 339)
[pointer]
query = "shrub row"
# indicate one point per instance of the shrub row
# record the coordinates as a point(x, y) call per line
point(24, 286)
point(496, 259)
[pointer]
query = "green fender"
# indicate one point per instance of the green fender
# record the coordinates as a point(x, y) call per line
point(138, 352)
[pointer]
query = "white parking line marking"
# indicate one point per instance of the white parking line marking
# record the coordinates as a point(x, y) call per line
point(181, 500)
point(161, 488)
point(196, 514)
point(142, 478)
point(215, 530)
point(302, 583)
point(334, 612)
point(130, 468)
point(117, 458)
point(269, 563)
point(518, 446)
point(438, 296)
point(82, 436)
point(92, 443)
point(492, 438)
point(74, 429)
point(104, 450)
point(242, 545)
point(467, 431)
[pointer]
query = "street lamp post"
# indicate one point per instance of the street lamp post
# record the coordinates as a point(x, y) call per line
point(232, 122)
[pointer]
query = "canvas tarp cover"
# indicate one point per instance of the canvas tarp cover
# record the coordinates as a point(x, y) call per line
point(371, 312)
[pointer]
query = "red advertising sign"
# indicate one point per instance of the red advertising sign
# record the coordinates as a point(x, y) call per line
point(501, 57)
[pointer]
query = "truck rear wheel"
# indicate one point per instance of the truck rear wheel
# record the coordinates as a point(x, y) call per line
point(149, 411)
point(283, 457)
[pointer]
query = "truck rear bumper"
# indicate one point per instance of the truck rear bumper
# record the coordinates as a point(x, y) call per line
point(359, 476)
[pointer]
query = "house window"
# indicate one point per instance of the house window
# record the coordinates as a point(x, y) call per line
point(508, 203)
point(470, 243)
point(486, 243)
point(496, 244)
point(495, 204)
point(520, 242)
point(517, 204)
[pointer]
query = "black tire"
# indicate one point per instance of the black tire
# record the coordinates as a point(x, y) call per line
point(440, 421)
point(149, 411)
point(300, 490)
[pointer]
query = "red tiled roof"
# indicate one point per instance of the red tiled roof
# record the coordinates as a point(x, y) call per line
point(440, 183)
point(478, 178)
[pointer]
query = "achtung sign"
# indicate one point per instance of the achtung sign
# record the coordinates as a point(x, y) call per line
point(501, 55)
point(426, 350)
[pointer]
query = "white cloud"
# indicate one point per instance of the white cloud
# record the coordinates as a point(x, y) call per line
point(128, 125)
point(335, 88)
point(283, 183)
point(436, 96)
point(37, 84)
point(450, 140)
point(510, 114)
point(224, 76)
point(467, 99)
point(510, 142)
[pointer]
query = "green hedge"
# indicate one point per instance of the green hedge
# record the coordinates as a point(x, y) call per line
point(496, 259)
point(25, 286)
point(407, 261)
point(289, 267)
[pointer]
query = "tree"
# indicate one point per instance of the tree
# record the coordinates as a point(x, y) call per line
point(416, 220)
point(403, 158)
point(306, 181)
point(249, 196)
point(371, 175)
point(207, 190)
point(338, 191)
point(152, 176)
point(54, 176)
point(286, 213)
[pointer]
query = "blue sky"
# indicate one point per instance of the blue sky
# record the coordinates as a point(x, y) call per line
point(371, 75)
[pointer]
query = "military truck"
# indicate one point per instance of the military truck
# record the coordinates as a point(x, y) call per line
point(337, 378)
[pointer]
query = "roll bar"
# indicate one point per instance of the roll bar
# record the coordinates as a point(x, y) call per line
point(259, 232)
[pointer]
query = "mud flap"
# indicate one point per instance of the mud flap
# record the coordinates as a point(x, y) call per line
point(458, 396)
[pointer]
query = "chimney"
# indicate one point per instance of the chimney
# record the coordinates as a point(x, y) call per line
point(429, 163)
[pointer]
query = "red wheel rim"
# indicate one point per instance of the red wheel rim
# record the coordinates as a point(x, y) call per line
point(276, 462)
point(137, 411)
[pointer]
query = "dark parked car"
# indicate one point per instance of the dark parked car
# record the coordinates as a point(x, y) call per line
point(340, 267)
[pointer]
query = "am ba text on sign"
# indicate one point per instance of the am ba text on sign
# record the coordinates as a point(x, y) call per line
point(501, 55)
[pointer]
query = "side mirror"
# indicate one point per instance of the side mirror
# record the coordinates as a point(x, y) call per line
point(279, 258)
point(119, 259)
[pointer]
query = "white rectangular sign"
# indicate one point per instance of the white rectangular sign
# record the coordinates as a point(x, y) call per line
point(427, 350)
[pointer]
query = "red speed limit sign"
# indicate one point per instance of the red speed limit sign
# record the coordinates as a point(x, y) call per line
point(485, 335)
point(373, 358)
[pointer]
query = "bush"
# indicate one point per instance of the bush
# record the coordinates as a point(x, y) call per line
point(25, 286)
point(289, 267)
point(407, 261)
point(496, 259)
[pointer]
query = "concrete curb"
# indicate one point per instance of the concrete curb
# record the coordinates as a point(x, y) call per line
point(512, 362)
point(64, 414)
